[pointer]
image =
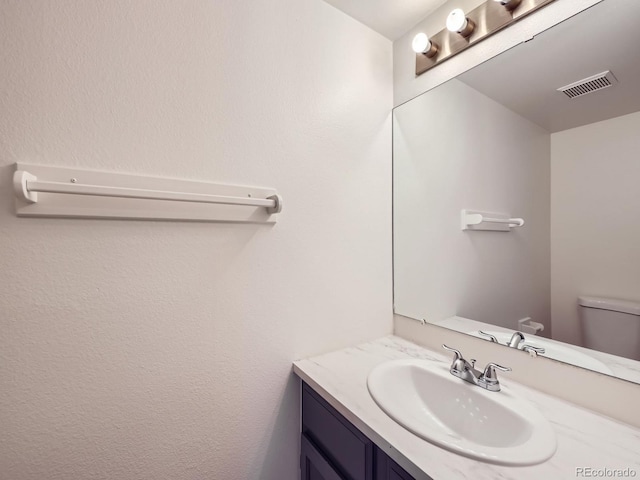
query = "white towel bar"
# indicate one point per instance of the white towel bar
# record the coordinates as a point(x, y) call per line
point(27, 186)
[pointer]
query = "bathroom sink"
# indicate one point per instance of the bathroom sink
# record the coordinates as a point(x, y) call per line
point(495, 427)
point(554, 350)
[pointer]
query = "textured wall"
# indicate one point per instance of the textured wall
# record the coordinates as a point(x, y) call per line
point(140, 350)
point(594, 211)
point(455, 148)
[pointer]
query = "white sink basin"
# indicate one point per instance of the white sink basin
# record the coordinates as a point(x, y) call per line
point(554, 350)
point(495, 427)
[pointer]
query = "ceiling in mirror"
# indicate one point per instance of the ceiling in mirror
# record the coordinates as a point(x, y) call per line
point(391, 18)
point(526, 79)
point(501, 139)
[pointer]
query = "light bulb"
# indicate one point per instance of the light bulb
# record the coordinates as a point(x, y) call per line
point(509, 4)
point(422, 44)
point(457, 22)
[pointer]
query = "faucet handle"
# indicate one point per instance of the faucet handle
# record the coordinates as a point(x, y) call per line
point(459, 363)
point(533, 351)
point(490, 375)
point(457, 352)
point(491, 337)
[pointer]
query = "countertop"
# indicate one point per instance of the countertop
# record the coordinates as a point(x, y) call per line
point(585, 439)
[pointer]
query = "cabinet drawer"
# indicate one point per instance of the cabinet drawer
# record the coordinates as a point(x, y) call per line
point(339, 441)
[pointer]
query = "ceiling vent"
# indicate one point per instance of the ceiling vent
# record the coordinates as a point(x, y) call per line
point(589, 85)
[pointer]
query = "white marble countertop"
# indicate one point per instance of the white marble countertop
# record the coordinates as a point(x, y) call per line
point(585, 439)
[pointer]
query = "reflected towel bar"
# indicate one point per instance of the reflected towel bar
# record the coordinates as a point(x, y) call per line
point(476, 219)
point(488, 221)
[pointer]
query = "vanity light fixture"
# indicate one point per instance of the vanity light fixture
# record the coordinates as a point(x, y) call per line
point(464, 29)
point(457, 22)
point(422, 44)
point(509, 4)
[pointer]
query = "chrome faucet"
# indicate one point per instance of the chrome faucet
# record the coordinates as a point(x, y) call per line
point(466, 370)
point(517, 341)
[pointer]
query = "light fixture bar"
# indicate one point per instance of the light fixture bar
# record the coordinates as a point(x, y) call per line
point(466, 29)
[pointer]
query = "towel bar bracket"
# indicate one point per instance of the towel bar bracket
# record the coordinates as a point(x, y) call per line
point(20, 179)
point(277, 208)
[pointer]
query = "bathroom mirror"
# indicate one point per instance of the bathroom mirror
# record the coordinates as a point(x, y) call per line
point(500, 146)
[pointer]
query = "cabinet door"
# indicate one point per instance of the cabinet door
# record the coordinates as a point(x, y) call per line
point(313, 465)
point(342, 444)
point(387, 469)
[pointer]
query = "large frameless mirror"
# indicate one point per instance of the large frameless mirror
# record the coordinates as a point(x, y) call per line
point(517, 196)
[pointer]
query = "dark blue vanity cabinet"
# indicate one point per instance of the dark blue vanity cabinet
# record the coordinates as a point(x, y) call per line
point(333, 449)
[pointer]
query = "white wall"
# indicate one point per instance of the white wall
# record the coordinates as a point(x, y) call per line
point(405, 83)
point(139, 350)
point(454, 149)
point(594, 218)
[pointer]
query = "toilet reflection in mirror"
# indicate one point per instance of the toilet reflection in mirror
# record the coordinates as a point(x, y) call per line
point(546, 132)
point(611, 326)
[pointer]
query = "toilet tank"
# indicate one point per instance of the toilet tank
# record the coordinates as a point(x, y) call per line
point(611, 325)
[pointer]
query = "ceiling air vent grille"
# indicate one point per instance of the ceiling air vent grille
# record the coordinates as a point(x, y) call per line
point(589, 85)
